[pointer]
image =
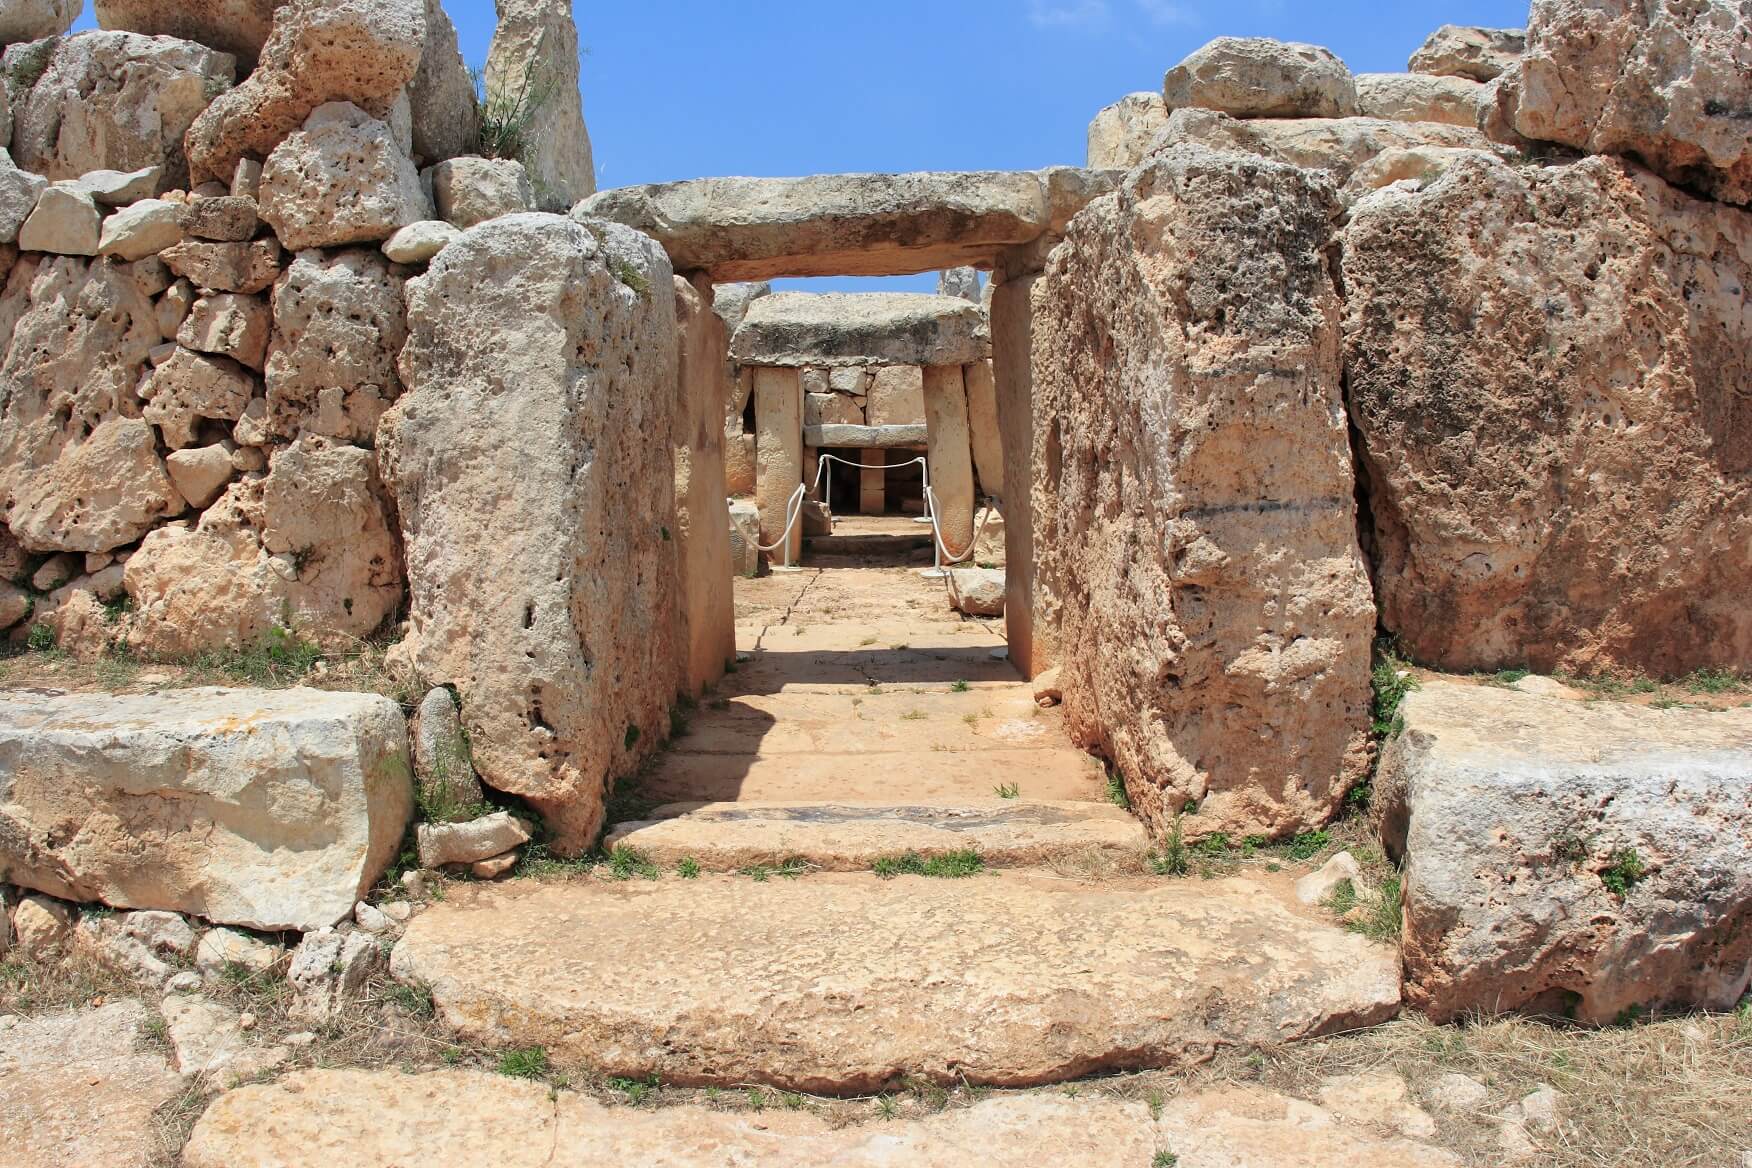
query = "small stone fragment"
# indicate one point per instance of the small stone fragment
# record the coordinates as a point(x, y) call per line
point(465, 843)
point(329, 969)
point(494, 868)
point(977, 591)
point(200, 475)
point(42, 927)
point(472, 190)
point(229, 324)
point(143, 229)
point(226, 267)
point(1315, 887)
point(228, 218)
point(65, 222)
point(221, 948)
point(371, 919)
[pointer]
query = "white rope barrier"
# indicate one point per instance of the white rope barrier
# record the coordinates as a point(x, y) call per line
point(793, 512)
point(937, 532)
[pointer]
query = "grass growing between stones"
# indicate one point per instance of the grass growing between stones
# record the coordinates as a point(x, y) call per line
point(29, 987)
point(946, 866)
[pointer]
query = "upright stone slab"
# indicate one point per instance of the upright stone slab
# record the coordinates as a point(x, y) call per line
point(1031, 640)
point(533, 64)
point(532, 459)
point(702, 517)
point(1566, 483)
point(271, 809)
point(983, 427)
point(951, 458)
point(778, 412)
point(1198, 528)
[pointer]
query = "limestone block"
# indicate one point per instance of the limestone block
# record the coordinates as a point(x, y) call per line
point(246, 179)
point(1415, 97)
point(220, 948)
point(731, 301)
point(982, 424)
point(739, 464)
point(15, 605)
point(1667, 84)
point(872, 487)
point(117, 188)
point(1316, 886)
point(238, 27)
point(472, 190)
point(330, 969)
point(1569, 856)
point(32, 20)
point(778, 412)
point(64, 222)
point(1504, 545)
point(859, 328)
point(419, 242)
point(442, 766)
point(464, 843)
point(950, 452)
point(339, 323)
point(1478, 54)
point(226, 267)
point(192, 386)
point(227, 218)
point(1213, 612)
point(44, 927)
point(744, 536)
point(308, 546)
point(1256, 77)
point(831, 409)
point(360, 51)
point(849, 379)
point(977, 591)
point(866, 437)
point(172, 309)
point(143, 229)
point(111, 101)
point(285, 807)
point(231, 325)
point(76, 472)
point(532, 338)
point(342, 179)
point(200, 475)
point(535, 51)
point(897, 396)
point(446, 120)
point(19, 192)
point(702, 519)
point(1339, 145)
point(1120, 135)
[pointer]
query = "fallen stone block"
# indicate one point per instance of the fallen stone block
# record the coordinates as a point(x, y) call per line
point(273, 809)
point(1577, 858)
point(977, 591)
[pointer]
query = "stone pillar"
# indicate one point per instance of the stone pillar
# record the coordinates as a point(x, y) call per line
point(702, 517)
point(951, 457)
point(982, 422)
point(778, 412)
point(1030, 638)
point(872, 483)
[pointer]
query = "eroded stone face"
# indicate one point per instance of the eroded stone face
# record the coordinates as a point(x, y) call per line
point(30, 20)
point(238, 27)
point(1121, 134)
point(531, 459)
point(1566, 480)
point(342, 179)
point(1195, 527)
point(339, 324)
point(1478, 54)
point(535, 49)
point(280, 808)
point(1262, 78)
point(1665, 83)
point(1579, 857)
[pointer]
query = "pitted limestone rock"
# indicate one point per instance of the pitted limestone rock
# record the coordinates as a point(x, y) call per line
point(859, 329)
point(1258, 77)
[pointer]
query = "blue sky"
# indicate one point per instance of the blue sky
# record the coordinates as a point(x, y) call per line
point(677, 89)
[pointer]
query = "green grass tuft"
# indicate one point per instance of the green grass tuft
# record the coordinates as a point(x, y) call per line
point(529, 1062)
point(947, 866)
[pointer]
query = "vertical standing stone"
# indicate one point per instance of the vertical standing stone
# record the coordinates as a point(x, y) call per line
point(702, 517)
point(982, 424)
point(950, 456)
point(532, 69)
point(1030, 639)
point(873, 483)
point(778, 411)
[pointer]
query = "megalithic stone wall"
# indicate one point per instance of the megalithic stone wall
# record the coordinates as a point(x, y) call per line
point(532, 460)
point(1196, 525)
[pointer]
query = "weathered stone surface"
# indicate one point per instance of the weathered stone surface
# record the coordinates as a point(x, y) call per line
point(19, 191)
point(192, 386)
point(1416, 97)
point(951, 460)
point(308, 546)
point(442, 94)
point(112, 101)
point(472, 190)
point(1419, 164)
point(702, 517)
point(1195, 525)
point(1121, 134)
point(384, 1119)
point(64, 222)
point(533, 338)
point(464, 843)
point(778, 412)
point(220, 948)
point(140, 946)
point(210, 1043)
point(32, 20)
point(1340, 145)
point(731, 301)
point(44, 927)
point(897, 396)
point(274, 809)
point(118, 188)
point(200, 475)
point(1567, 483)
point(339, 323)
point(830, 409)
point(342, 179)
point(418, 242)
point(1516, 813)
point(226, 267)
point(859, 328)
point(1478, 54)
point(535, 53)
point(983, 427)
point(230, 325)
point(329, 969)
point(1051, 980)
point(442, 765)
point(77, 1088)
point(1665, 83)
point(143, 229)
point(227, 218)
point(360, 51)
point(1258, 77)
point(977, 591)
point(238, 27)
point(76, 472)
point(833, 225)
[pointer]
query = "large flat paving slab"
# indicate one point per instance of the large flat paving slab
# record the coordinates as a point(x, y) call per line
point(385, 1119)
point(896, 776)
point(843, 983)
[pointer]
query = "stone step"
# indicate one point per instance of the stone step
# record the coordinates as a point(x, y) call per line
point(838, 983)
point(802, 656)
point(850, 837)
point(894, 546)
point(919, 719)
point(898, 776)
point(385, 1119)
